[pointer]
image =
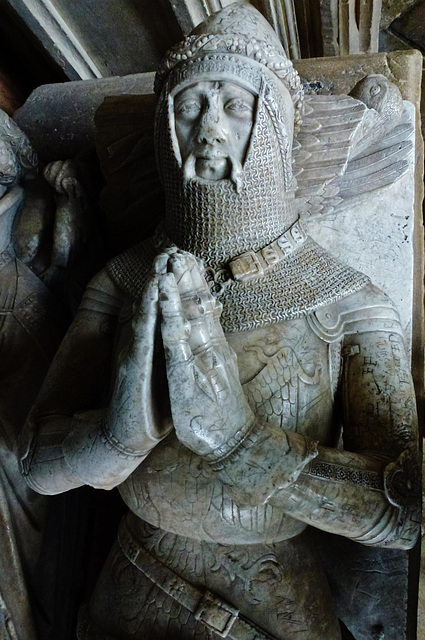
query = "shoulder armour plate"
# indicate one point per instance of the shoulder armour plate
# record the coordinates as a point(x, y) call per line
point(369, 309)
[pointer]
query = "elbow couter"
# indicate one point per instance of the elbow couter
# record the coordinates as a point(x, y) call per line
point(398, 528)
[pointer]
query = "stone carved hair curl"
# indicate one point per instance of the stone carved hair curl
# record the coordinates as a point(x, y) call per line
point(17, 140)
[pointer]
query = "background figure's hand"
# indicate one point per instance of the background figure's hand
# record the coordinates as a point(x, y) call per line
point(70, 226)
point(62, 176)
point(210, 412)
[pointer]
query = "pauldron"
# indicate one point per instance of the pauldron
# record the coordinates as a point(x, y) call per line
point(369, 309)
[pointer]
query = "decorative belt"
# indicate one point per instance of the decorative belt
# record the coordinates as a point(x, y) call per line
point(213, 612)
point(253, 264)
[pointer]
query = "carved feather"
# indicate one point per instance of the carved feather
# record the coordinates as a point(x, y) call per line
point(273, 392)
point(337, 156)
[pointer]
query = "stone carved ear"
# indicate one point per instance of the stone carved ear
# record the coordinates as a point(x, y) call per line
point(345, 149)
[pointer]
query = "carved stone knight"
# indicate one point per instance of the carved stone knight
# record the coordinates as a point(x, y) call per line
point(232, 377)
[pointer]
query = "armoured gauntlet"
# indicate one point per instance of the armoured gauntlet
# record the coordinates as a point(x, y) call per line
point(211, 415)
point(99, 447)
point(370, 491)
point(104, 447)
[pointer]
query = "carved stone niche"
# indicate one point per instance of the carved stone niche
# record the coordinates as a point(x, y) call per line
point(382, 236)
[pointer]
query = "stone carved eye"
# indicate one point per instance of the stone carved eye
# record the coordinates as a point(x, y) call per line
point(189, 108)
point(375, 90)
point(238, 107)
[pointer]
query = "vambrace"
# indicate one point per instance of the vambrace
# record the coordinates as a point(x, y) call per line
point(42, 461)
point(78, 450)
point(95, 455)
point(379, 503)
point(361, 497)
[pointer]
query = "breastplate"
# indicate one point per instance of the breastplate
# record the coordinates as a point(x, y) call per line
point(286, 375)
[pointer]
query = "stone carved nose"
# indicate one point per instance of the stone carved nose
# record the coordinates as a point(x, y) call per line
point(211, 129)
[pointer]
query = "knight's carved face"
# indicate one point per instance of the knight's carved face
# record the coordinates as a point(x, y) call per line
point(213, 123)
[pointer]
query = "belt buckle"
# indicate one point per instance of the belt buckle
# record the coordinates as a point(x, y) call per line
point(216, 614)
point(246, 267)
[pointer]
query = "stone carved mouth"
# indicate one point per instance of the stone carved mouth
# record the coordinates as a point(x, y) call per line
point(211, 156)
point(212, 167)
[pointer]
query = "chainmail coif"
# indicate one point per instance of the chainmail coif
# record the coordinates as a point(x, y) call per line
point(217, 221)
point(213, 220)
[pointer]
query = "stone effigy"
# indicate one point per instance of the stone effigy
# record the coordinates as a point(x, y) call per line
point(209, 370)
point(37, 238)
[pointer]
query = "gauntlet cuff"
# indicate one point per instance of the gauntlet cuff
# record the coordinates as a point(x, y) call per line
point(247, 435)
point(265, 460)
point(94, 455)
point(113, 444)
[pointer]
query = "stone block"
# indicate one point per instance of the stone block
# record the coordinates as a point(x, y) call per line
point(58, 118)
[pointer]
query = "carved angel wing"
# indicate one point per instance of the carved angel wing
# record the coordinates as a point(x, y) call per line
point(379, 167)
point(345, 149)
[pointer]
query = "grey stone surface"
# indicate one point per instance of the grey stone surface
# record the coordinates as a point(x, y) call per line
point(94, 40)
point(224, 462)
point(59, 118)
point(349, 28)
point(409, 26)
point(401, 25)
point(360, 604)
point(380, 241)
